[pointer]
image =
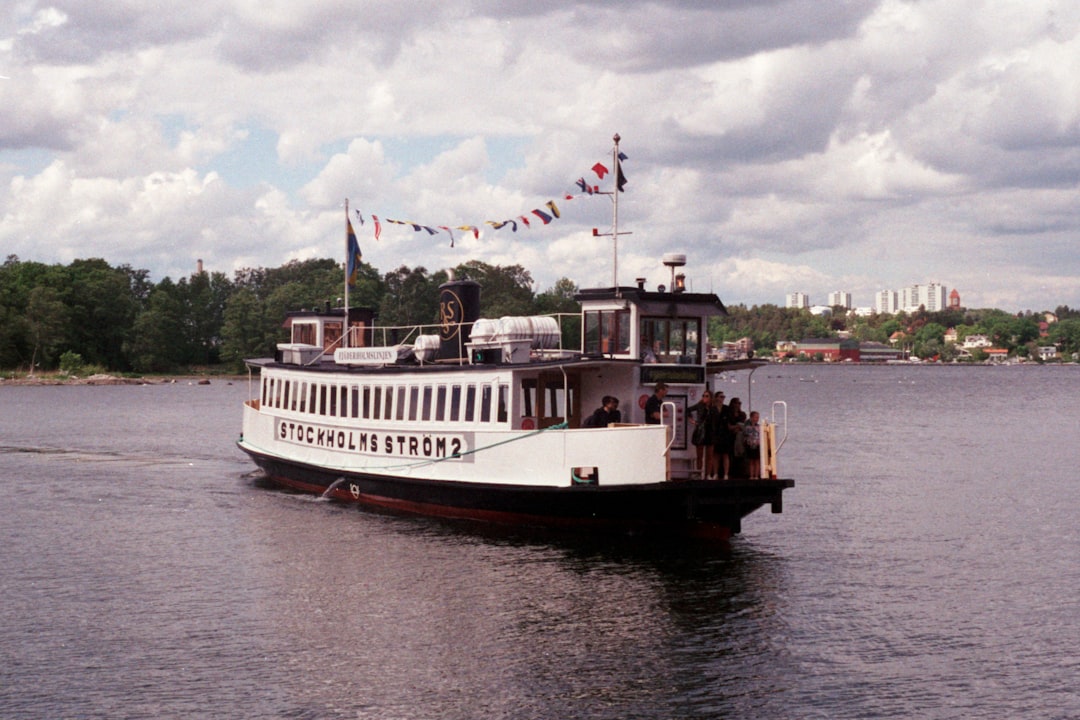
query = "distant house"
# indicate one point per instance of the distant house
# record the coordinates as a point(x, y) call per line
point(977, 341)
point(830, 349)
point(1048, 352)
point(950, 335)
point(786, 348)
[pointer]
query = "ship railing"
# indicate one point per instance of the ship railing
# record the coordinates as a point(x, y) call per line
point(389, 335)
point(782, 419)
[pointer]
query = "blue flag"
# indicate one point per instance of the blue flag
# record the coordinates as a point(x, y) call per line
point(355, 256)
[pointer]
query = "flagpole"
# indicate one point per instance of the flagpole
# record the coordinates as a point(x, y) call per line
point(345, 335)
point(615, 217)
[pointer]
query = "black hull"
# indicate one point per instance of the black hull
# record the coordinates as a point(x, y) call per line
point(696, 508)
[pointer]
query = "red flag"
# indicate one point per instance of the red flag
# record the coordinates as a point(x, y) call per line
point(600, 170)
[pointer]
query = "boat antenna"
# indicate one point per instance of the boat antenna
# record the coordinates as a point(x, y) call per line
point(616, 160)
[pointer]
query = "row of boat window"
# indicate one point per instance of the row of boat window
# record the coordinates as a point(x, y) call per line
point(437, 402)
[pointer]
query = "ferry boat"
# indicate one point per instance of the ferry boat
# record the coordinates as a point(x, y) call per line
point(485, 419)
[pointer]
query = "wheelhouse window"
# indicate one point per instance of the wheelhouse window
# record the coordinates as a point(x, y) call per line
point(607, 332)
point(304, 332)
point(671, 340)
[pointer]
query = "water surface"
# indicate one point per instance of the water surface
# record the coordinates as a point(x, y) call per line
point(925, 566)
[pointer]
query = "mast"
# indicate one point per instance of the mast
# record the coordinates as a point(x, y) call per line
point(615, 162)
point(348, 251)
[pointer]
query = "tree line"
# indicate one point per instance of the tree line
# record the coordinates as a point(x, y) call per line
point(91, 316)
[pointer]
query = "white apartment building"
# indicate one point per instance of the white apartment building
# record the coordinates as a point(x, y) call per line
point(841, 298)
point(797, 300)
point(885, 302)
point(934, 297)
point(937, 297)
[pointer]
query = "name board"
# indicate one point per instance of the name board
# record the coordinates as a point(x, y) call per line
point(683, 375)
point(382, 443)
point(366, 356)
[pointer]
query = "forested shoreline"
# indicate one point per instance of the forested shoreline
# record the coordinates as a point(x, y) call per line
point(91, 317)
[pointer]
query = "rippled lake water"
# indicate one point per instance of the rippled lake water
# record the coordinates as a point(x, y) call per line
point(925, 565)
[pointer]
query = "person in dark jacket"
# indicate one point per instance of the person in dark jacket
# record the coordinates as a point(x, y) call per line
point(701, 415)
point(604, 415)
point(653, 405)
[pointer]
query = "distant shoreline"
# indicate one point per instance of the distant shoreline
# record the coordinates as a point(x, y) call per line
point(107, 379)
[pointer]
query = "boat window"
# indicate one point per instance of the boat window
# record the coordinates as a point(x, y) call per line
point(485, 404)
point(426, 414)
point(607, 332)
point(399, 407)
point(414, 402)
point(312, 408)
point(670, 340)
point(342, 402)
point(331, 334)
point(503, 413)
point(304, 333)
point(285, 403)
point(528, 397)
point(455, 403)
point(303, 397)
point(376, 406)
point(332, 397)
point(354, 401)
point(554, 405)
point(388, 406)
point(366, 403)
point(440, 403)
point(470, 403)
point(323, 407)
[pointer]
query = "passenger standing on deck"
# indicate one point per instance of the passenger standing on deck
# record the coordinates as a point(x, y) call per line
point(752, 445)
point(733, 424)
point(654, 404)
point(720, 433)
point(700, 417)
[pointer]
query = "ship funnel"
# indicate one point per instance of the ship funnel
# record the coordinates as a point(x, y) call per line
point(459, 307)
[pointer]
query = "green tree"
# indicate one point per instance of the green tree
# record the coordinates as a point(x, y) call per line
point(244, 331)
point(157, 338)
point(102, 306)
point(1065, 334)
point(411, 297)
point(505, 290)
point(46, 319)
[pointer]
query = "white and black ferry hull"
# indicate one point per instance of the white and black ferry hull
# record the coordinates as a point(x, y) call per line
point(695, 508)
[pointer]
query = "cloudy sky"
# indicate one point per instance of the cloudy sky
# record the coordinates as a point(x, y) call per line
point(782, 145)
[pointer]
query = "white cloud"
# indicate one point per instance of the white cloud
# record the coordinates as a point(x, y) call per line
point(876, 143)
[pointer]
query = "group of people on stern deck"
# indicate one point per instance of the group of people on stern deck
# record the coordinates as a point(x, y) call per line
point(728, 442)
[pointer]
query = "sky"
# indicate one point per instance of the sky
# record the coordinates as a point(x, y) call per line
point(781, 145)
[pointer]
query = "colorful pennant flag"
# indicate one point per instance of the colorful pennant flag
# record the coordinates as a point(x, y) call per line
point(546, 214)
